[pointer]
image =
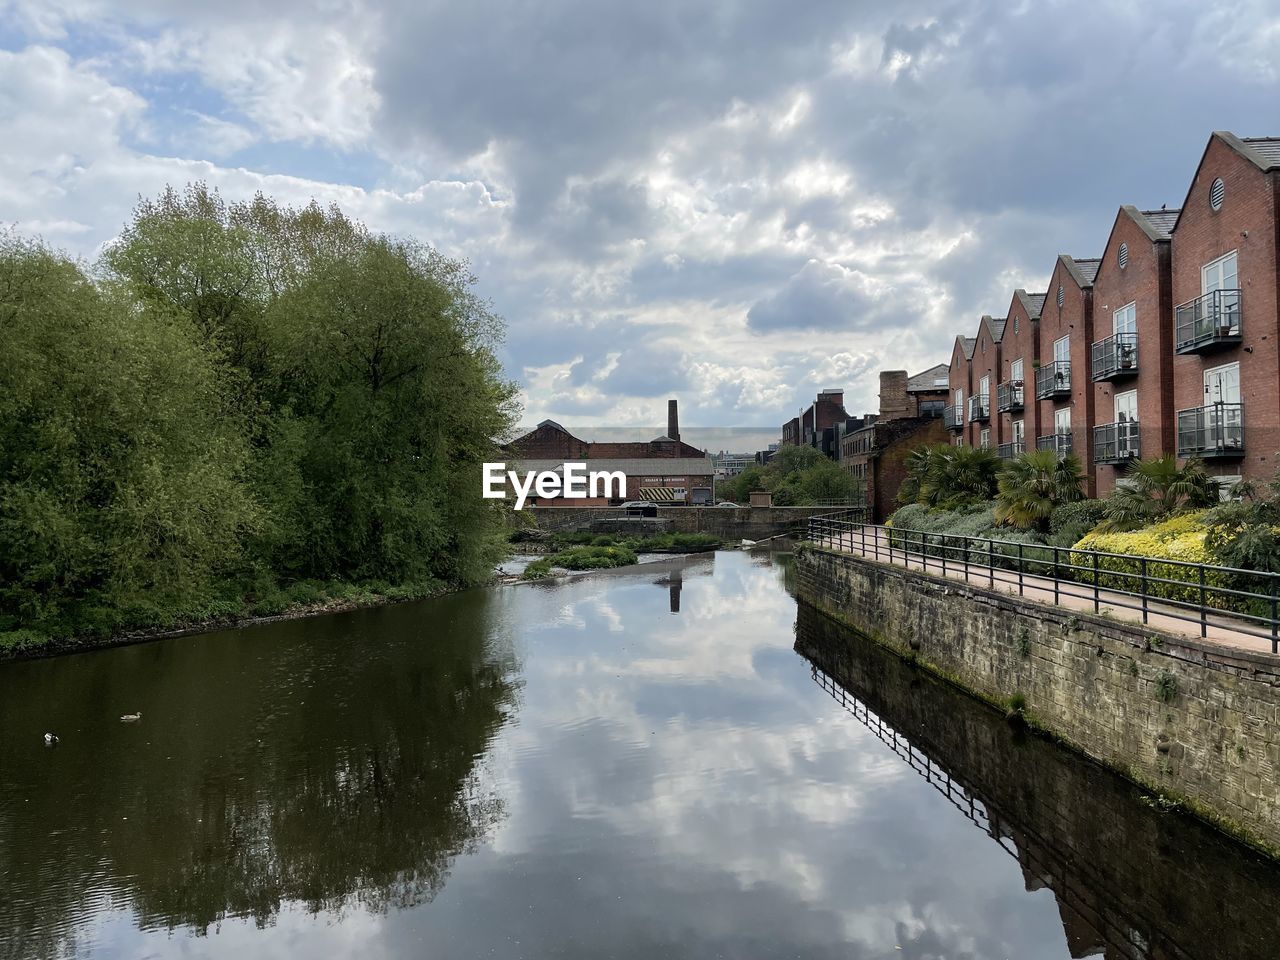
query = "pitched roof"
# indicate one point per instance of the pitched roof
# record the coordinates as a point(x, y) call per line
point(927, 380)
point(967, 344)
point(1083, 271)
point(1033, 303)
point(997, 326)
point(1268, 148)
point(631, 466)
point(1161, 221)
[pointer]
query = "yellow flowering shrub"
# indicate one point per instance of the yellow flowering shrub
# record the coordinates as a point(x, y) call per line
point(1179, 538)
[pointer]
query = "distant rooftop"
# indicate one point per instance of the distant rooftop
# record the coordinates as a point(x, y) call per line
point(935, 378)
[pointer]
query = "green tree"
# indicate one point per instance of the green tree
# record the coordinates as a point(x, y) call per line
point(948, 477)
point(1158, 488)
point(1033, 485)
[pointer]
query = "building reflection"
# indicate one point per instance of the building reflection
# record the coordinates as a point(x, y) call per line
point(1131, 882)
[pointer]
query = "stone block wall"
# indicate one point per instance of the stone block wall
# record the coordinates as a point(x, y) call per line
point(1193, 720)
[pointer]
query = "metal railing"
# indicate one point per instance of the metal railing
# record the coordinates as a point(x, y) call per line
point(1053, 380)
point(953, 417)
point(979, 408)
point(1009, 396)
point(1206, 322)
point(1115, 442)
point(1059, 443)
point(1115, 357)
point(1244, 601)
point(1014, 448)
point(1212, 431)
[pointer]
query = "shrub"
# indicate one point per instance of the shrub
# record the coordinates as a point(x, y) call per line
point(1071, 521)
point(1033, 484)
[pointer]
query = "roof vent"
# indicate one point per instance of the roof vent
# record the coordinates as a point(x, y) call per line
point(1124, 255)
point(1062, 296)
point(1217, 193)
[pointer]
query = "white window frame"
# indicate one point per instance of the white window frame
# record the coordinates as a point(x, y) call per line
point(1065, 343)
point(1115, 406)
point(1217, 265)
point(984, 438)
point(1015, 370)
point(1212, 371)
point(1058, 417)
point(1129, 310)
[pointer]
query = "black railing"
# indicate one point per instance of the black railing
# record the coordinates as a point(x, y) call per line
point(1013, 448)
point(979, 408)
point(1053, 380)
point(1212, 431)
point(1009, 397)
point(1245, 601)
point(1059, 443)
point(1115, 442)
point(1116, 357)
point(1207, 322)
point(953, 417)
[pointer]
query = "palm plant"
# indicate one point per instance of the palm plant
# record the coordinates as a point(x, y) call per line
point(1156, 489)
point(1033, 484)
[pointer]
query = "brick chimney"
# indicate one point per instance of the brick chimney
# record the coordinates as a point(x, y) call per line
point(894, 403)
point(673, 421)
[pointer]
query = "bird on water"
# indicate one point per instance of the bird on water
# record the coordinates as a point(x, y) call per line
point(50, 739)
point(131, 717)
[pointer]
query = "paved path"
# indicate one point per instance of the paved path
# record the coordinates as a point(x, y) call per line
point(1168, 618)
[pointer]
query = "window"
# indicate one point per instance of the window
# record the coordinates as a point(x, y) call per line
point(1217, 193)
point(1062, 349)
point(1015, 371)
point(984, 438)
point(1125, 320)
point(1123, 256)
point(1018, 434)
point(1220, 274)
point(1222, 384)
point(1062, 421)
point(1126, 407)
point(984, 388)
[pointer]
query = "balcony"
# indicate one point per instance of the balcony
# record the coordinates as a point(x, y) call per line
point(1059, 443)
point(1207, 323)
point(1009, 397)
point(953, 417)
point(1116, 442)
point(1115, 358)
point(979, 409)
point(1008, 451)
point(1213, 432)
point(1053, 380)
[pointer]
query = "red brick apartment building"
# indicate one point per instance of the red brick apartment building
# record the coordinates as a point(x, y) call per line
point(816, 426)
point(1167, 343)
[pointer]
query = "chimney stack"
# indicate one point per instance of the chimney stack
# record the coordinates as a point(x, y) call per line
point(673, 421)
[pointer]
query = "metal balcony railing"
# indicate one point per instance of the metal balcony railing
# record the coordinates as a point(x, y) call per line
point(1009, 396)
point(1059, 443)
point(979, 409)
point(1013, 448)
point(1115, 357)
point(1215, 431)
point(1116, 442)
point(1207, 323)
point(953, 417)
point(1053, 380)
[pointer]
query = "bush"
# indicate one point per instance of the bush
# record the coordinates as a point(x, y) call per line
point(580, 558)
point(1072, 521)
point(943, 530)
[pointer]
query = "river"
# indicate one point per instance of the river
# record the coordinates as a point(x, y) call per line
point(669, 762)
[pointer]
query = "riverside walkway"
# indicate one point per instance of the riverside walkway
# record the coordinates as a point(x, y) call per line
point(1199, 621)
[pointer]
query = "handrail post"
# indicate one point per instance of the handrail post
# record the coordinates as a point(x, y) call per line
point(1275, 623)
point(1145, 589)
point(1020, 562)
point(1055, 574)
point(965, 554)
point(1204, 614)
point(991, 563)
point(1095, 580)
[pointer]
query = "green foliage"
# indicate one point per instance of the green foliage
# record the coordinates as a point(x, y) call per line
point(949, 477)
point(1179, 538)
point(580, 558)
point(796, 476)
point(917, 527)
point(1166, 686)
point(1072, 521)
point(1033, 485)
point(1156, 489)
point(250, 395)
point(659, 543)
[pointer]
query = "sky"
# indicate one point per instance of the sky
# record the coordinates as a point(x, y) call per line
point(736, 204)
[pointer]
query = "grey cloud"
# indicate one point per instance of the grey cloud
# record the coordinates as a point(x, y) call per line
point(821, 296)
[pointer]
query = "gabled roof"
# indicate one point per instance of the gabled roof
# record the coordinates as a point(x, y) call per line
point(1033, 303)
point(552, 423)
point(1262, 152)
point(1157, 224)
point(995, 325)
point(927, 380)
point(967, 344)
point(1083, 271)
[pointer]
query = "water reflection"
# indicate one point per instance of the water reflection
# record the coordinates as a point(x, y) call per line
point(1130, 883)
point(624, 764)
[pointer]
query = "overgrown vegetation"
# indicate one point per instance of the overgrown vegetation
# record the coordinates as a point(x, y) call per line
point(1158, 488)
point(796, 476)
point(949, 478)
point(241, 406)
point(658, 543)
point(1032, 486)
point(580, 558)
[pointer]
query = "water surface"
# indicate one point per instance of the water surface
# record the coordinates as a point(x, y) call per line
point(672, 762)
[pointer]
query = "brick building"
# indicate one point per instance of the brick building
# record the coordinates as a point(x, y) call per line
point(960, 386)
point(1015, 413)
point(664, 469)
point(876, 452)
point(817, 426)
point(1131, 359)
point(1226, 329)
point(984, 372)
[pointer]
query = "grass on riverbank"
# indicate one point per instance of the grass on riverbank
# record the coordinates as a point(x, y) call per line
point(658, 543)
point(304, 596)
point(580, 558)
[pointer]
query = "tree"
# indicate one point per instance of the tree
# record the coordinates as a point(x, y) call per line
point(1158, 488)
point(948, 477)
point(1033, 485)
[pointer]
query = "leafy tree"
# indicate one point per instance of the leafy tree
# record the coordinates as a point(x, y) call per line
point(796, 476)
point(949, 477)
point(1158, 488)
point(1033, 485)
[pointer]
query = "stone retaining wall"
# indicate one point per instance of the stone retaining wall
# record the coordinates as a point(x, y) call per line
point(729, 523)
point(1193, 720)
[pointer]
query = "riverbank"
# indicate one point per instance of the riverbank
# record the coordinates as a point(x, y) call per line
point(1193, 722)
